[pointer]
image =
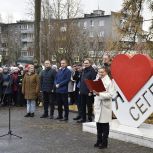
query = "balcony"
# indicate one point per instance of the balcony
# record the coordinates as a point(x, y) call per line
point(27, 31)
point(30, 40)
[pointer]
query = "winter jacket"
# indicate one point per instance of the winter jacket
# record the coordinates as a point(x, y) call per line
point(47, 79)
point(62, 78)
point(15, 78)
point(7, 83)
point(1, 82)
point(103, 102)
point(30, 86)
point(87, 73)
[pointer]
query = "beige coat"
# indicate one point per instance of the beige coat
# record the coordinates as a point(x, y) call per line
point(30, 86)
point(103, 102)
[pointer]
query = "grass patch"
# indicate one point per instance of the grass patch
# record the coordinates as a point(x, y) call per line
point(150, 119)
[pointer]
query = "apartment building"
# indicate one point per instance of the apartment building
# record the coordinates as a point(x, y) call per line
point(97, 26)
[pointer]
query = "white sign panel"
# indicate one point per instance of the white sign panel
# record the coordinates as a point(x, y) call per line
point(133, 113)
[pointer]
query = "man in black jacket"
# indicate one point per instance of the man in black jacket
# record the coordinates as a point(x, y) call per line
point(86, 97)
point(47, 78)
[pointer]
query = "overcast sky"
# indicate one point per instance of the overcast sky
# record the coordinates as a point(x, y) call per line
point(18, 9)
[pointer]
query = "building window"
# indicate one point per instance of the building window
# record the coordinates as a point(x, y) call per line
point(100, 45)
point(91, 45)
point(30, 26)
point(91, 34)
point(85, 25)
point(23, 53)
point(24, 27)
point(76, 58)
point(30, 53)
point(63, 29)
point(24, 36)
point(31, 36)
point(4, 44)
point(101, 34)
point(24, 45)
point(101, 23)
point(92, 54)
point(91, 23)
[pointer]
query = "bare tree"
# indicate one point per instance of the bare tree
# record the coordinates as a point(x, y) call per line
point(37, 29)
point(131, 21)
point(59, 30)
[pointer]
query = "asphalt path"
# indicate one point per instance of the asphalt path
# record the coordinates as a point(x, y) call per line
point(53, 136)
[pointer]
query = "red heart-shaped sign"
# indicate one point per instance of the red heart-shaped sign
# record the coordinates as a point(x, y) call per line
point(131, 73)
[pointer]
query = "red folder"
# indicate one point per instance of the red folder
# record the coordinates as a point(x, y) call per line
point(96, 85)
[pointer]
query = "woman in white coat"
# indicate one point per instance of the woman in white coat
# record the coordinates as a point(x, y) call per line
point(103, 109)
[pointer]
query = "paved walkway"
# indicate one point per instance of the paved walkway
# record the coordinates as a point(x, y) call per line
point(52, 136)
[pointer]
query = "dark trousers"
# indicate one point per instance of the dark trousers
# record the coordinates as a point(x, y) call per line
point(48, 101)
point(73, 97)
point(62, 100)
point(21, 99)
point(15, 97)
point(102, 133)
point(78, 102)
point(86, 101)
point(7, 99)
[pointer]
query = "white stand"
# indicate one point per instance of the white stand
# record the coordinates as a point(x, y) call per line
point(142, 136)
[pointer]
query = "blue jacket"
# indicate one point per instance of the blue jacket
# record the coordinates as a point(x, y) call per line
point(62, 78)
point(87, 73)
point(47, 79)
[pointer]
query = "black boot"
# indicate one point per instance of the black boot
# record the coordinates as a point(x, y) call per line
point(103, 145)
point(51, 115)
point(96, 145)
point(32, 115)
point(77, 118)
point(27, 115)
point(105, 136)
point(44, 116)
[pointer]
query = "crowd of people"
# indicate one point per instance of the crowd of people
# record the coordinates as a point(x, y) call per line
point(22, 86)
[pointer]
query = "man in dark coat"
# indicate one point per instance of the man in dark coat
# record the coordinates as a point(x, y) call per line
point(61, 82)
point(87, 99)
point(47, 78)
